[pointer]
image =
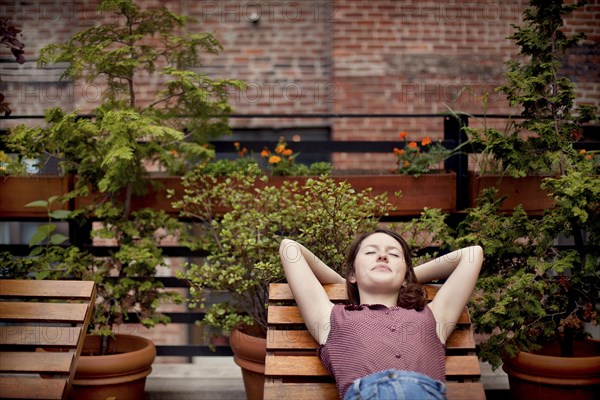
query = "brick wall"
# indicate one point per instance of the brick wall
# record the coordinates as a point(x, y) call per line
point(322, 56)
point(282, 49)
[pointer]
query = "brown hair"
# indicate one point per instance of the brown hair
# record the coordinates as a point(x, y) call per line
point(411, 295)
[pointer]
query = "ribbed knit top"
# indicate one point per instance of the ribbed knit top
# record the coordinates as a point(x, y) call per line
point(371, 338)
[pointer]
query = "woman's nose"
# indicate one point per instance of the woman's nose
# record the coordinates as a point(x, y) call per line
point(382, 257)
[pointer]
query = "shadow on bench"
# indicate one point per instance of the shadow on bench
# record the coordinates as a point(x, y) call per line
point(293, 369)
point(42, 327)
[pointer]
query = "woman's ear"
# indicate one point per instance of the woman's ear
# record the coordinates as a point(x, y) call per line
point(352, 279)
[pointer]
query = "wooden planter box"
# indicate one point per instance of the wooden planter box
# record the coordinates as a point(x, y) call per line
point(525, 191)
point(432, 191)
point(16, 192)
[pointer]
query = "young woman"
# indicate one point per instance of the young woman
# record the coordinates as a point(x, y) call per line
point(388, 343)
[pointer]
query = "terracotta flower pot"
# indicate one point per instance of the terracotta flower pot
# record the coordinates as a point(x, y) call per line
point(120, 374)
point(250, 353)
point(546, 375)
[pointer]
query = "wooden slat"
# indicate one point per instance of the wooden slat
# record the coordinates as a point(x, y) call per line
point(46, 289)
point(284, 315)
point(36, 362)
point(461, 340)
point(38, 312)
point(290, 315)
point(431, 291)
point(294, 366)
point(32, 388)
point(457, 367)
point(275, 390)
point(40, 335)
point(282, 292)
point(465, 391)
point(280, 339)
point(287, 339)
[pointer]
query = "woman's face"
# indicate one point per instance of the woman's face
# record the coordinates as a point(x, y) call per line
point(380, 264)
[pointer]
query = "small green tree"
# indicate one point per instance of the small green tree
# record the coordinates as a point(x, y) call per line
point(542, 142)
point(242, 219)
point(109, 153)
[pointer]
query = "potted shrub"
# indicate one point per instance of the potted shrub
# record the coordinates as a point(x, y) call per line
point(107, 156)
point(242, 243)
point(534, 146)
point(534, 298)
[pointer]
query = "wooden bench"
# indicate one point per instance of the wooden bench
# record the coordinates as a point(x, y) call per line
point(42, 327)
point(294, 371)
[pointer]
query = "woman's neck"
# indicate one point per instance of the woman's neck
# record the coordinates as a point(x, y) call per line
point(388, 300)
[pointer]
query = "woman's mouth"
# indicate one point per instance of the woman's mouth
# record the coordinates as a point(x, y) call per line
point(381, 267)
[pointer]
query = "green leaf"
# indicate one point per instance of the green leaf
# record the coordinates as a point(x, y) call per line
point(37, 238)
point(41, 234)
point(58, 238)
point(60, 214)
point(37, 203)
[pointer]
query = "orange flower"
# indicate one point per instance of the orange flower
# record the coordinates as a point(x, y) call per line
point(242, 152)
point(426, 140)
point(588, 157)
point(582, 151)
point(406, 164)
point(274, 159)
point(398, 151)
point(287, 152)
point(265, 153)
point(173, 152)
point(412, 145)
point(402, 134)
point(280, 148)
point(236, 145)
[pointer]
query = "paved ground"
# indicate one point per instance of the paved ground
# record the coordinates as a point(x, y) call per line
point(216, 378)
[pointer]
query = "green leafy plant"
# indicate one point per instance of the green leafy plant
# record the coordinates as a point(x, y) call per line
point(416, 160)
point(109, 154)
point(241, 220)
point(531, 291)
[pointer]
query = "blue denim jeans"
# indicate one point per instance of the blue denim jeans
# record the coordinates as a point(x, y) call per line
point(396, 385)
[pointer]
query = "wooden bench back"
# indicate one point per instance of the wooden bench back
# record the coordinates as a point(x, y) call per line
point(42, 327)
point(294, 371)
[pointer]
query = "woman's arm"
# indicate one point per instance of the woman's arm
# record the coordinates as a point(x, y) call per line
point(438, 268)
point(322, 271)
point(306, 274)
point(461, 269)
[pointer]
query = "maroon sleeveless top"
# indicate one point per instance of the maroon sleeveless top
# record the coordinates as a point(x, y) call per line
point(371, 338)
